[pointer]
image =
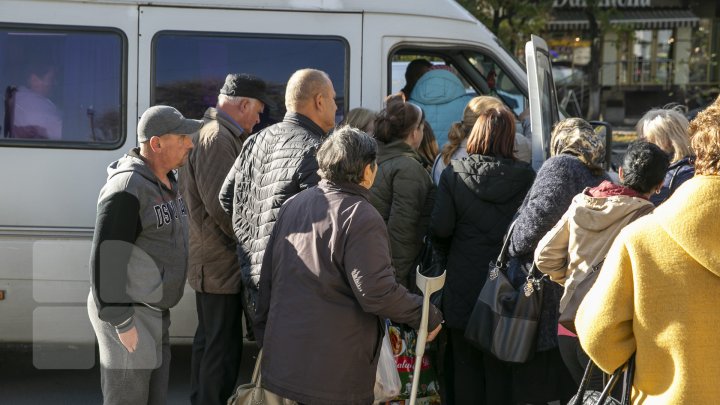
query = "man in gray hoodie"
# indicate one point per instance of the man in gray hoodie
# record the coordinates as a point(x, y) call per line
point(138, 261)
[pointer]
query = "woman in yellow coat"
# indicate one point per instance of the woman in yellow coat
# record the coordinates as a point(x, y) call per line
point(658, 294)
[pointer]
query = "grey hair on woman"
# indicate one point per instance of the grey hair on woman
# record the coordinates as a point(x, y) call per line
point(344, 155)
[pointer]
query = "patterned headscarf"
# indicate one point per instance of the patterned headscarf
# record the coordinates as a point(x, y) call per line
point(576, 137)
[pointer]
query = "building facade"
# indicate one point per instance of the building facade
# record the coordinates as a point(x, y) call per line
point(654, 52)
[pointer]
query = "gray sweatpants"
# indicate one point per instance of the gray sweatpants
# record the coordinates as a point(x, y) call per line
point(140, 377)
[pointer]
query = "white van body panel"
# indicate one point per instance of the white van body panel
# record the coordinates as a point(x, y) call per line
point(345, 25)
point(49, 195)
point(433, 8)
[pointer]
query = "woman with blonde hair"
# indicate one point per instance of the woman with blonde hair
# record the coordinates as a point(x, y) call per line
point(360, 118)
point(668, 129)
point(456, 147)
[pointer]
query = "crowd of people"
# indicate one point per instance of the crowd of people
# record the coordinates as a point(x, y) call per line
point(312, 232)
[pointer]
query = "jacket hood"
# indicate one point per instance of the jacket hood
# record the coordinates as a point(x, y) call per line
point(596, 214)
point(491, 179)
point(437, 87)
point(133, 162)
point(609, 189)
point(689, 217)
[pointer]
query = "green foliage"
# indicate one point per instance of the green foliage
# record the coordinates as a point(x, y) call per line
point(511, 20)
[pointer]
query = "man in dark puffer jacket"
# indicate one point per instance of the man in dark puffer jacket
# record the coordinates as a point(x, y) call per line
point(274, 165)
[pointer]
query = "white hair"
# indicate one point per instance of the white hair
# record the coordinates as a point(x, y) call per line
point(233, 100)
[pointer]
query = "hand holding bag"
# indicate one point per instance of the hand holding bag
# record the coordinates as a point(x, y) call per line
point(254, 394)
point(504, 320)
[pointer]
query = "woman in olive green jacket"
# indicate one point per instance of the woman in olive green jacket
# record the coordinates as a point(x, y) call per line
point(403, 192)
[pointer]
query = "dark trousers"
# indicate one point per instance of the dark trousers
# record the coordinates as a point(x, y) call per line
point(217, 348)
point(577, 360)
point(542, 379)
point(476, 377)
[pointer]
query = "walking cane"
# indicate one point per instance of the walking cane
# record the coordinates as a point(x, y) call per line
point(428, 285)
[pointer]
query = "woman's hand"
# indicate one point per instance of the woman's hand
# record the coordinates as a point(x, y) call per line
point(433, 334)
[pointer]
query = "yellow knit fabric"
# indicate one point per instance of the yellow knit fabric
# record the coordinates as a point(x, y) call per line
point(659, 293)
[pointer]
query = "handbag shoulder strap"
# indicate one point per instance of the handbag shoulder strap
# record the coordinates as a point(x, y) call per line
point(580, 397)
point(629, 380)
point(506, 243)
point(255, 380)
point(641, 212)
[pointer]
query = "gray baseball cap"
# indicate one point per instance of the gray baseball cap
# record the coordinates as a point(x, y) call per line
point(162, 120)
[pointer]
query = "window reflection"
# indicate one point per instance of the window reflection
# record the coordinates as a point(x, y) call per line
point(61, 88)
point(498, 82)
point(190, 69)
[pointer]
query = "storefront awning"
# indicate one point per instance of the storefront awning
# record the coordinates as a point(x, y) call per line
point(638, 19)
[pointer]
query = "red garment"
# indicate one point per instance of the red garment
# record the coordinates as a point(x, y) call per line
point(609, 189)
point(563, 331)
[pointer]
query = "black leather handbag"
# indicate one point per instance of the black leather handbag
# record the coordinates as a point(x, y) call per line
point(504, 320)
point(592, 397)
point(430, 263)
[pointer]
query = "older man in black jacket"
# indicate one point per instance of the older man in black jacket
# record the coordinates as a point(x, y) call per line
point(275, 164)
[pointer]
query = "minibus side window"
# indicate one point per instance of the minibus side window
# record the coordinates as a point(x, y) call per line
point(400, 63)
point(498, 81)
point(190, 68)
point(61, 88)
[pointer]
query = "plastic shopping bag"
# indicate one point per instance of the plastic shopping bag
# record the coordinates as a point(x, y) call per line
point(387, 379)
point(402, 341)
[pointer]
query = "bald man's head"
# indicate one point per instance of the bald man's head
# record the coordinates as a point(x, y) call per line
point(303, 86)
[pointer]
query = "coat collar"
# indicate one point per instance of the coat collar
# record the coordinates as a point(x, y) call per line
point(345, 187)
point(226, 121)
point(305, 122)
point(394, 148)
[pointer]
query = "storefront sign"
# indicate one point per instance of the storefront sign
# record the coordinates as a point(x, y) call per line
point(602, 3)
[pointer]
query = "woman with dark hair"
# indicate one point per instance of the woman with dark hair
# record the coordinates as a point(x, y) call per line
point(326, 279)
point(403, 191)
point(414, 71)
point(475, 202)
point(428, 149)
point(575, 163)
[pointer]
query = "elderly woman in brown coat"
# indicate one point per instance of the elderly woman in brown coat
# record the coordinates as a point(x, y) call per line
point(326, 281)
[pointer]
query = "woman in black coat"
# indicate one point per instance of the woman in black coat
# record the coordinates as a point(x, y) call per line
point(475, 202)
